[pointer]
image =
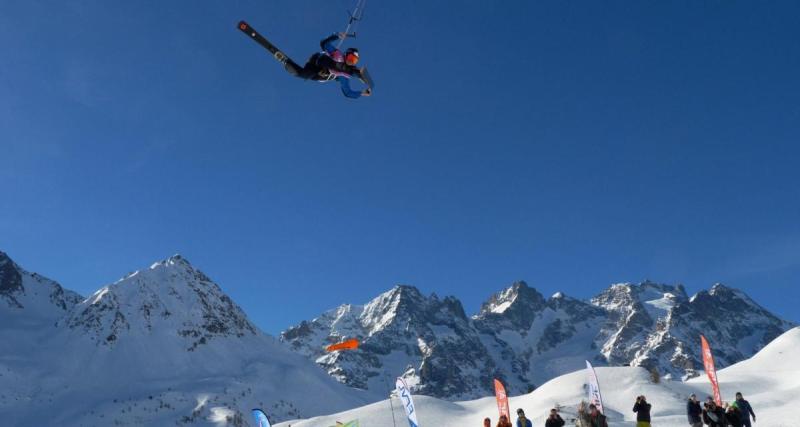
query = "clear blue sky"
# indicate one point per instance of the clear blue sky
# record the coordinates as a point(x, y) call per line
point(571, 144)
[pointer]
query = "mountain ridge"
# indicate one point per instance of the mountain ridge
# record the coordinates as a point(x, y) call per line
point(522, 337)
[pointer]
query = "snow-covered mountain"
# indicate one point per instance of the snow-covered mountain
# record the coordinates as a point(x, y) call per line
point(162, 346)
point(429, 340)
point(525, 339)
point(165, 346)
point(170, 298)
point(770, 380)
point(29, 296)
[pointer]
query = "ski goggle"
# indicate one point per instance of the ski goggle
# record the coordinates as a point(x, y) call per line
point(351, 58)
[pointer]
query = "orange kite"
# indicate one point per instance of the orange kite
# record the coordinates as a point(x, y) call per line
point(350, 344)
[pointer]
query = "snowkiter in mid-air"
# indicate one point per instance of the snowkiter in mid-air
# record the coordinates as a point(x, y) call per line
point(329, 64)
point(332, 64)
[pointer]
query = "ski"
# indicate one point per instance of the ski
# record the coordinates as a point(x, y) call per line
point(253, 34)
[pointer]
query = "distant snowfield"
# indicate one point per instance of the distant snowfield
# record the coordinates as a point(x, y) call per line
point(770, 380)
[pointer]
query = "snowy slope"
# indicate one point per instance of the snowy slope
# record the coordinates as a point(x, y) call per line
point(770, 381)
point(162, 346)
point(525, 339)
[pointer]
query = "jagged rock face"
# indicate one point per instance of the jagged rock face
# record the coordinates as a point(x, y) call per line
point(36, 296)
point(428, 340)
point(734, 324)
point(169, 297)
point(659, 327)
point(634, 312)
point(525, 339)
point(515, 307)
point(528, 333)
point(10, 281)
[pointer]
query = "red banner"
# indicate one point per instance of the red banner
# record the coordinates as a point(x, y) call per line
point(711, 371)
point(502, 399)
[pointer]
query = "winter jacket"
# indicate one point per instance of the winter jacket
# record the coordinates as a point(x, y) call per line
point(642, 410)
point(504, 424)
point(715, 418)
point(747, 410)
point(734, 418)
point(332, 59)
point(554, 422)
point(599, 421)
point(523, 422)
point(694, 411)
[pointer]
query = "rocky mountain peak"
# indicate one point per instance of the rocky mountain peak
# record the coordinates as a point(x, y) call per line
point(10, 279)
point(170, 295)
point(40, 297)
point(516, 299)
point(516, 307)
point(724, 292)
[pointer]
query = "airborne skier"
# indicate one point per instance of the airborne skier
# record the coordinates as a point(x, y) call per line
point(332, 64)
point(326, 65)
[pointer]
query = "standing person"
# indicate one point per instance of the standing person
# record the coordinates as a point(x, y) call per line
point(642, 409)
point(694, 412)
point(504, 422)
point(521, 420)
point(713, 415)
point(746, 409)
point(596, 419)
point(733, 416)
point(554, 420)
point(487, 422)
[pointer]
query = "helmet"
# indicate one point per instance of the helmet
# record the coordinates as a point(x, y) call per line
point(351, 56)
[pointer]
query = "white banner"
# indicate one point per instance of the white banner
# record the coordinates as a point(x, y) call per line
point(405, 396)
point(594, 388)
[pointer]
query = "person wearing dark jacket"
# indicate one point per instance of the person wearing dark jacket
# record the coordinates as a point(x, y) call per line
point(713, 415)
point(694, 412)
point(746, 409)
point(733, 416)
point(554, 420)
point(596, 419)
point(642, 409)
point(331, 64)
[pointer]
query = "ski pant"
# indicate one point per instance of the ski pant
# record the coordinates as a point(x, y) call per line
point(313, 67)
point(697, 424)
point(309, 71)
point(746, 421)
